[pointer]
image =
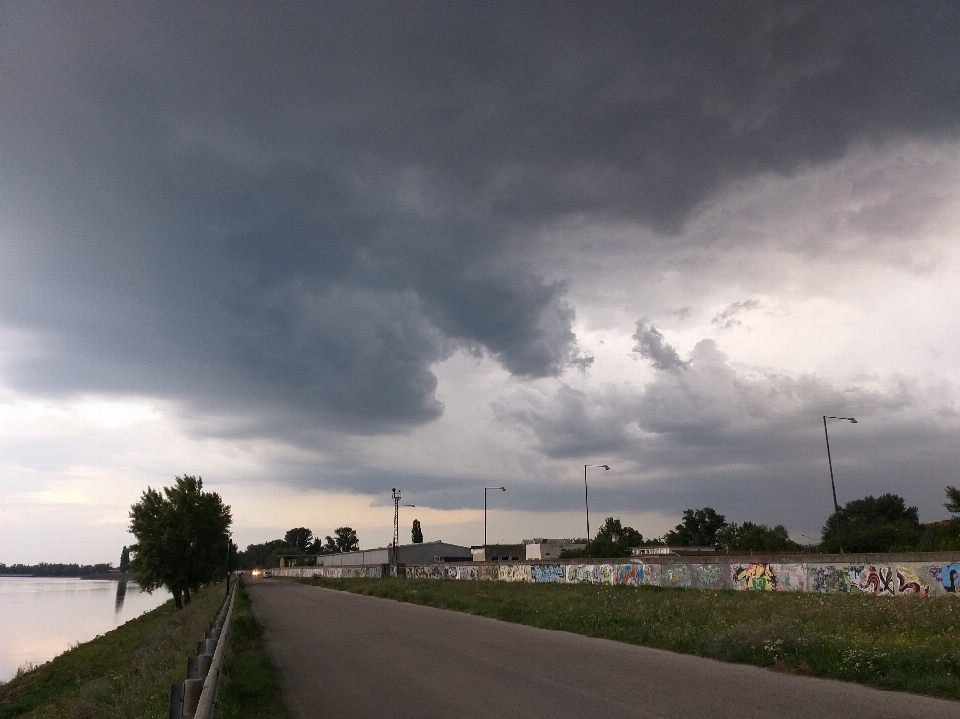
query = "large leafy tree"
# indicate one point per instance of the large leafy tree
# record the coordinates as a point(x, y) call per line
point(182, 538)
point(698, 528)
point(953, 501)
point(756, 537)
point(873, 524)
point(300, 537)
point(416, 533)
point(344, 540)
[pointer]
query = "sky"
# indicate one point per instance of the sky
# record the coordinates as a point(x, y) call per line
point(312, 251)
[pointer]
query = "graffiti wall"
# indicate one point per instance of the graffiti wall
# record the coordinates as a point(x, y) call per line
point(709, 576)
point(872, 580)
point(880, 580)
point(950, 578)
point(677, 575)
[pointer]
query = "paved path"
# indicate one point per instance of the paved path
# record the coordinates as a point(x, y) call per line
point(353, 657)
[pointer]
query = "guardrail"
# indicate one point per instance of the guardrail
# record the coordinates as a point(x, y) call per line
point(196, 696)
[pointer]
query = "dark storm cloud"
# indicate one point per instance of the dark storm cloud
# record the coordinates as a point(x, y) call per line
point(297, 209)
point(651, 345)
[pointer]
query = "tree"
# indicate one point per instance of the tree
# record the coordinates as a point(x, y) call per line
point(873, 524)
point(182, 536)
point(953, 500)
point(698, 528)
point(346, 541)
point(259, 555)
point(124, 559)
point(416, 534)
point(756, 538)
point(612, 540)
point(300, 538)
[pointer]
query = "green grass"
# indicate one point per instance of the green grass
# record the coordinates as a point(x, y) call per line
point(248, 688)
point(126, 673)
point(905, 643)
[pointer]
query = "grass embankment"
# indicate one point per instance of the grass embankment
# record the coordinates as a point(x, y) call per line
point(904, 643)
point(248, 688)
point(127, 673)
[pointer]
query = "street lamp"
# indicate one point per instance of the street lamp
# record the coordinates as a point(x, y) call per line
point(396, 528)
point(502, 489)
point(833, 487)
point(586, 498)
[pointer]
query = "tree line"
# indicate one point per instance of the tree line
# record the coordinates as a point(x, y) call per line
point(299, 541)
point(870, 524)
point(44, 569)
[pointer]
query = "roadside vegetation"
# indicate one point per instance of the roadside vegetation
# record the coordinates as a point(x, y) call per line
point(125, 673)
point(907, 643)
point(248, 687)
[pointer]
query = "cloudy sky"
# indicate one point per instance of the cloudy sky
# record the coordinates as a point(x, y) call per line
point(314, 251)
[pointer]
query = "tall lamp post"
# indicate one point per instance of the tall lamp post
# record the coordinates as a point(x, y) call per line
point(396, 528)
point(586, 498)
point(833, 487)
point(502, 489)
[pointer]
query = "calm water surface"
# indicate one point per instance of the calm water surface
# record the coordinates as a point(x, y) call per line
point(42, 617)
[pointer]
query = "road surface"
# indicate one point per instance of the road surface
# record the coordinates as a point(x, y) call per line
point(355, 657)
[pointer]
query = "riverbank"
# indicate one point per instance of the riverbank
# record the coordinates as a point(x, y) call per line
point(127, 673)
point(110, 576)
point(124, 673)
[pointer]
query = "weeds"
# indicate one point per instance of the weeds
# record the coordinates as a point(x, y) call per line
point(248, 688)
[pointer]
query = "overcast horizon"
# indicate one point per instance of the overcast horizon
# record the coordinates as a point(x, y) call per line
point(314, 251)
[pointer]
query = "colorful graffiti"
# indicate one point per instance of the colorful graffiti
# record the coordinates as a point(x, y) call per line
point(950, 578)
point(514, 573)
point(630, 574)
point(546, 573)
point(907, 579)
point(790, 577)
point(709, 576)
point(677, 575)
point(753, 577)
point(908, 582)
point(829, 579)
point(872, 580)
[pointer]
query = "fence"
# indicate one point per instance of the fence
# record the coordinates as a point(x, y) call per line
point(196, 696)
point(921, 574)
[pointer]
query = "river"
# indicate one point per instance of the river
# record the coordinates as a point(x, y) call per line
point(41, 617)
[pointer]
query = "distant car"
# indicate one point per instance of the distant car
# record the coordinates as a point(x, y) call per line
point(256, 572)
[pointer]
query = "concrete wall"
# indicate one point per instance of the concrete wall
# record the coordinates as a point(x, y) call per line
point(877, 575)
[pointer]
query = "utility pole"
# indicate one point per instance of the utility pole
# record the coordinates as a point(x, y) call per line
point(396, 527)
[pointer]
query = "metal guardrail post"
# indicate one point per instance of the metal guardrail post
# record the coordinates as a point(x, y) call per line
point(196, 697)
point(208, 697)
point(176, 701)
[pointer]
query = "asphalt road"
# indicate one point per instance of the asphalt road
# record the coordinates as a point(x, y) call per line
point(352, 657)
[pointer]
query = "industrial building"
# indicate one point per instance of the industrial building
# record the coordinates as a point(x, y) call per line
point(422, 553)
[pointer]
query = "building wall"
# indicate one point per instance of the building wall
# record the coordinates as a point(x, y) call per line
point(548, 550)
point(409, 554)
